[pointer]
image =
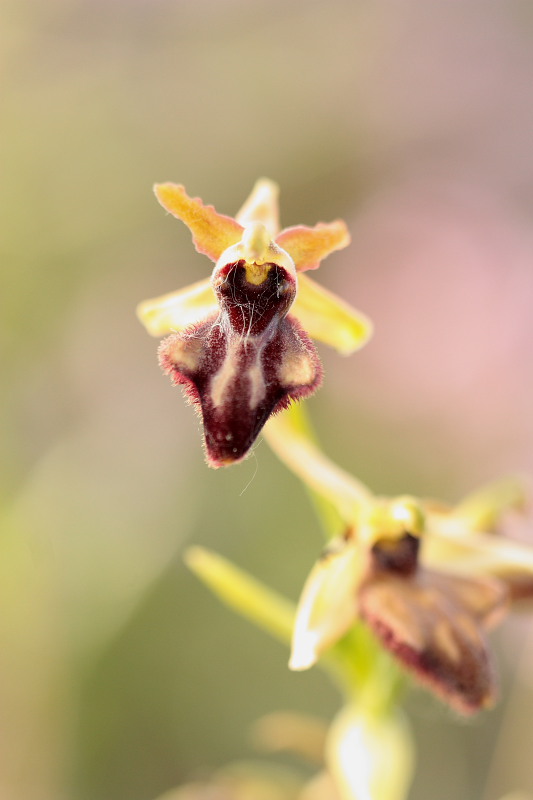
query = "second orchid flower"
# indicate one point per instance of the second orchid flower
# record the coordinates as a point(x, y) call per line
point(428, 581)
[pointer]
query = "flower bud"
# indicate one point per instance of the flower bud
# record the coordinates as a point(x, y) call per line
point(370, 757)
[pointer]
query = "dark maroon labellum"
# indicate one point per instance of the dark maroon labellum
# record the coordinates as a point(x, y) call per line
point(434, 623)
point(245, 363)
point(252, 308)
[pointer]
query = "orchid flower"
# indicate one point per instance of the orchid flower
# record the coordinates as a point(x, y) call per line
point(425, 579)
point(239, 341)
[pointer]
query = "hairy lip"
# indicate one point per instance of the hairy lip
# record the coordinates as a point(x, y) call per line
point(245, 363)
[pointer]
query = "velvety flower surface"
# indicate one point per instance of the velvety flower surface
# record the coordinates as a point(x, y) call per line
point(239, 342)
point(425, 579)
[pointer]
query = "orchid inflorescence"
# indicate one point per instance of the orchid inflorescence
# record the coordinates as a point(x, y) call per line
point(405, 586)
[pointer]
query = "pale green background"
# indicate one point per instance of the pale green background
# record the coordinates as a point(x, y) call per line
point(120, 676)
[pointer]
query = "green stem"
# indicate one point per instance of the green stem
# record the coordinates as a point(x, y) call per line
point(289, 435)
point(368, 673)
point(244, 594)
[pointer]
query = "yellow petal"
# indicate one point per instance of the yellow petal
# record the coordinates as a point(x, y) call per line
point(309, 246)
point(329, 319)
point(176, 311)
point(328, 605)
point(288, 437)
point(371, 757)
point(484, 508)
point(262, 206)
point(212, 233)
point(476, 552)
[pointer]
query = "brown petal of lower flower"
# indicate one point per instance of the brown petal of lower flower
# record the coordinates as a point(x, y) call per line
point(239, 381)
point(520, 588)
point(433, 623)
